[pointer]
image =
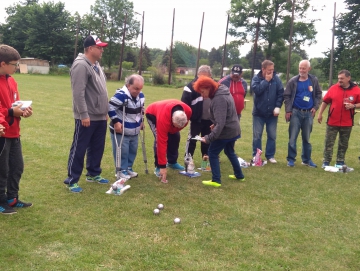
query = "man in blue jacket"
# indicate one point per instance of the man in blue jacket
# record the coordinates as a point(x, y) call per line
point(268, 98)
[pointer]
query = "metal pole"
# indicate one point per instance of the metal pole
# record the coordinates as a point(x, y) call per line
point(198, 54)
point(76, 39)
point(141, 47)
point(122, 50)
point(290, 41)
point(224, 54)
point(332, 50)
point(172, 36)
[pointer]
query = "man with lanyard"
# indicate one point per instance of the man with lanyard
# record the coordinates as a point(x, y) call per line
point(302, 98)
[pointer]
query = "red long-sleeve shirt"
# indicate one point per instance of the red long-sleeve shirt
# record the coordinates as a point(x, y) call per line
point(162, 111)
point(8, 95)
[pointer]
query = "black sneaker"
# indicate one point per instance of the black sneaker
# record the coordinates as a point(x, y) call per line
point(18, 203)
point(5, 209)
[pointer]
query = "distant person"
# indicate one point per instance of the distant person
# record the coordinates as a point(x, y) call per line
point(200, 118)
point(11, 158)
point(132, 99)
point(166, 119)
point(224, 131)
point(90, 107)
point(344, 98)
point(302, 97)
point(237, 86)
point(268, 98)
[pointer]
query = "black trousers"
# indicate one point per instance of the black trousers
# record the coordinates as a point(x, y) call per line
point(11, 167)
point(197, 128)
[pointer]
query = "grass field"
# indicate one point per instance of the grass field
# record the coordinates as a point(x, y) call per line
point(280, 218)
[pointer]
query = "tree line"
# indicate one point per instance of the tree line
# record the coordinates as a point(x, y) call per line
point(48, 31)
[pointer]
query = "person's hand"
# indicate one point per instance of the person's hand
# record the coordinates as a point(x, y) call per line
point(163, 173)
point(212, 126)
point(288, 116)
point(142, 126)
point(2, 132)
point(203, 140)
point(320, 118)
point(17, 111)
point(118, 128)
point(85, 122)
point(313, 111)
point(27, 112)
point(268, 76)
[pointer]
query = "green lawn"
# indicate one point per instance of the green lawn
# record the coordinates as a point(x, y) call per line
point(280, 218)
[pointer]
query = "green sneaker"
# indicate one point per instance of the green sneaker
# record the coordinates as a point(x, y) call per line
point(234, 178)
point(75, 188)
point(96, 179)
point(211, 183)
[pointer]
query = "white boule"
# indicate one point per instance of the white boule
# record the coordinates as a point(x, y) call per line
point(177, 220)
point(156, 211)
point(160, 206)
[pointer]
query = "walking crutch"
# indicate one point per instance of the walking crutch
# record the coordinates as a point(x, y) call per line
point(142, 138)
point(118, 146)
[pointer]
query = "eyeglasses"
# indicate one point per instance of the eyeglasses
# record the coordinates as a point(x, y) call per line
point(98, 47)
point(14, 64)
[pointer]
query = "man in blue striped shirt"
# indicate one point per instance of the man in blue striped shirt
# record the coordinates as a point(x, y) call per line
point(130, 124)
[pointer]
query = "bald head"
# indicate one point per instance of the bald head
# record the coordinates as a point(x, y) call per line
point(304, 68)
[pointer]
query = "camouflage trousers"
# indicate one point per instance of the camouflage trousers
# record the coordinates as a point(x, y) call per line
point(330, 137)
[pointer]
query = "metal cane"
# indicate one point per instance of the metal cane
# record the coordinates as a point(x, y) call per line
point(118, 147)
point(142, 138)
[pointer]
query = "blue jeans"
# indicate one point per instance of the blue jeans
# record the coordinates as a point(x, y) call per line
point(128, 149)
point(300, 120)
point(258, 128)
point(214, 150)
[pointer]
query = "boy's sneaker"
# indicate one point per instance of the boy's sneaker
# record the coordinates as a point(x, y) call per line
point(290, 163)
point(18, 203)
point(75, 188)
point(96, 179)
point(325, 164)
point(157, 172)
point(5, 209)
point(132, 173)
point(309, 164)
point(176, 166)
point(234, 178)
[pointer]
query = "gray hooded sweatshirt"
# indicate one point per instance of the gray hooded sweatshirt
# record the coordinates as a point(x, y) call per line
point(223, 115)
point(90, 97)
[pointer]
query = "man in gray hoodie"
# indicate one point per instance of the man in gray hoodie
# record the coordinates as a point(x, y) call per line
point(90, 107)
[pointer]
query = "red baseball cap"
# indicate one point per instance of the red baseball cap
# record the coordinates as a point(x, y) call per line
point(94, 40)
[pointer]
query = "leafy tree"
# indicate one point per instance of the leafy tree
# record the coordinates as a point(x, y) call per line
point(259, 57)
point(39, 30)
point(215, 56)
point(110, 16)
point(203, 61)
point(347, 52)
point(166, 61)
point(146, 58)
point(275, 18)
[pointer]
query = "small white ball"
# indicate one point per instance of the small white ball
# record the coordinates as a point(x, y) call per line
point(177, 220)
point(156, 211)
point(160, 206)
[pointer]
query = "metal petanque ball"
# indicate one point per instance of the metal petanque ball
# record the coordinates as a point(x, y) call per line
point(156, 211)
point(160, 206)
point(177, 220)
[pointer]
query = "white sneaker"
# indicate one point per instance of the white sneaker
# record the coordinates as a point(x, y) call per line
point(132, 173)
point(124, 174)
point(272, 160)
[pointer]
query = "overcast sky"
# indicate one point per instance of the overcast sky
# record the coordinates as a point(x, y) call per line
point(188, 18)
